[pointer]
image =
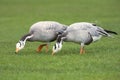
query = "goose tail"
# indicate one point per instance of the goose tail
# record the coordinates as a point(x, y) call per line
point(112, 32)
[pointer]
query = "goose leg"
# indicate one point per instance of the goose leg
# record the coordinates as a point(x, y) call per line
point(41, 46)
point(82, 48)
point(82, 51)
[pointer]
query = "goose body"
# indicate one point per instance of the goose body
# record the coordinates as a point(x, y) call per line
point(95, 31)
point(83, 33)
point(44, 31)
point(83, 37)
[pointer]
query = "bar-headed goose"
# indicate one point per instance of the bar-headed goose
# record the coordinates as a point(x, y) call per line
point(82, 33)
point(43, 31)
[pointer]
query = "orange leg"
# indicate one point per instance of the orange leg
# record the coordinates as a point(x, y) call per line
point(82, 50)
point(41, 46)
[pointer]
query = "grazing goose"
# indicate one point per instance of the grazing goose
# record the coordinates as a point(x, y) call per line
point(44, 31)
point(82, 33)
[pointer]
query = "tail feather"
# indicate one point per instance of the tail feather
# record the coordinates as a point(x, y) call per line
point(108, 31)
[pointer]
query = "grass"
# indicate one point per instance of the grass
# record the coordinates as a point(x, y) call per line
point(101, 61)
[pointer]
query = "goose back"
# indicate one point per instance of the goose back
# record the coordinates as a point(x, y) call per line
point(45, 31)
point(90, 27)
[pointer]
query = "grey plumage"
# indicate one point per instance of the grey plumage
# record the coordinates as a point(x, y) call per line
point(44, 31)
point(95, 31)
point(83, 33)
point(77, 36)
point(72, 34)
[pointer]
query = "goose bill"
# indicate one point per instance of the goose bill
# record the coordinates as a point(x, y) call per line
point(17, 49)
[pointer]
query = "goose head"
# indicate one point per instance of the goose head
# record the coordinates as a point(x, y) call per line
point(20, 45)
point(56, 48)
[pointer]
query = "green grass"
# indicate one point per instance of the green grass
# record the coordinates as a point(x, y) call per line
point(101, 61)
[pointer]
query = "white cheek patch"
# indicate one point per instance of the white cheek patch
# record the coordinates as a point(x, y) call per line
point(18, 45)
point(57, 47)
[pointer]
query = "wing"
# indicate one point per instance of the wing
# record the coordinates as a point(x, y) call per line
point(92, 28)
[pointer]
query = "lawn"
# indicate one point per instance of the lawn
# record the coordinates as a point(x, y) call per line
point(101, 61)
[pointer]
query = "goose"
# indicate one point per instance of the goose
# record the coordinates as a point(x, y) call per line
point(43, 31)
point(82, 33)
